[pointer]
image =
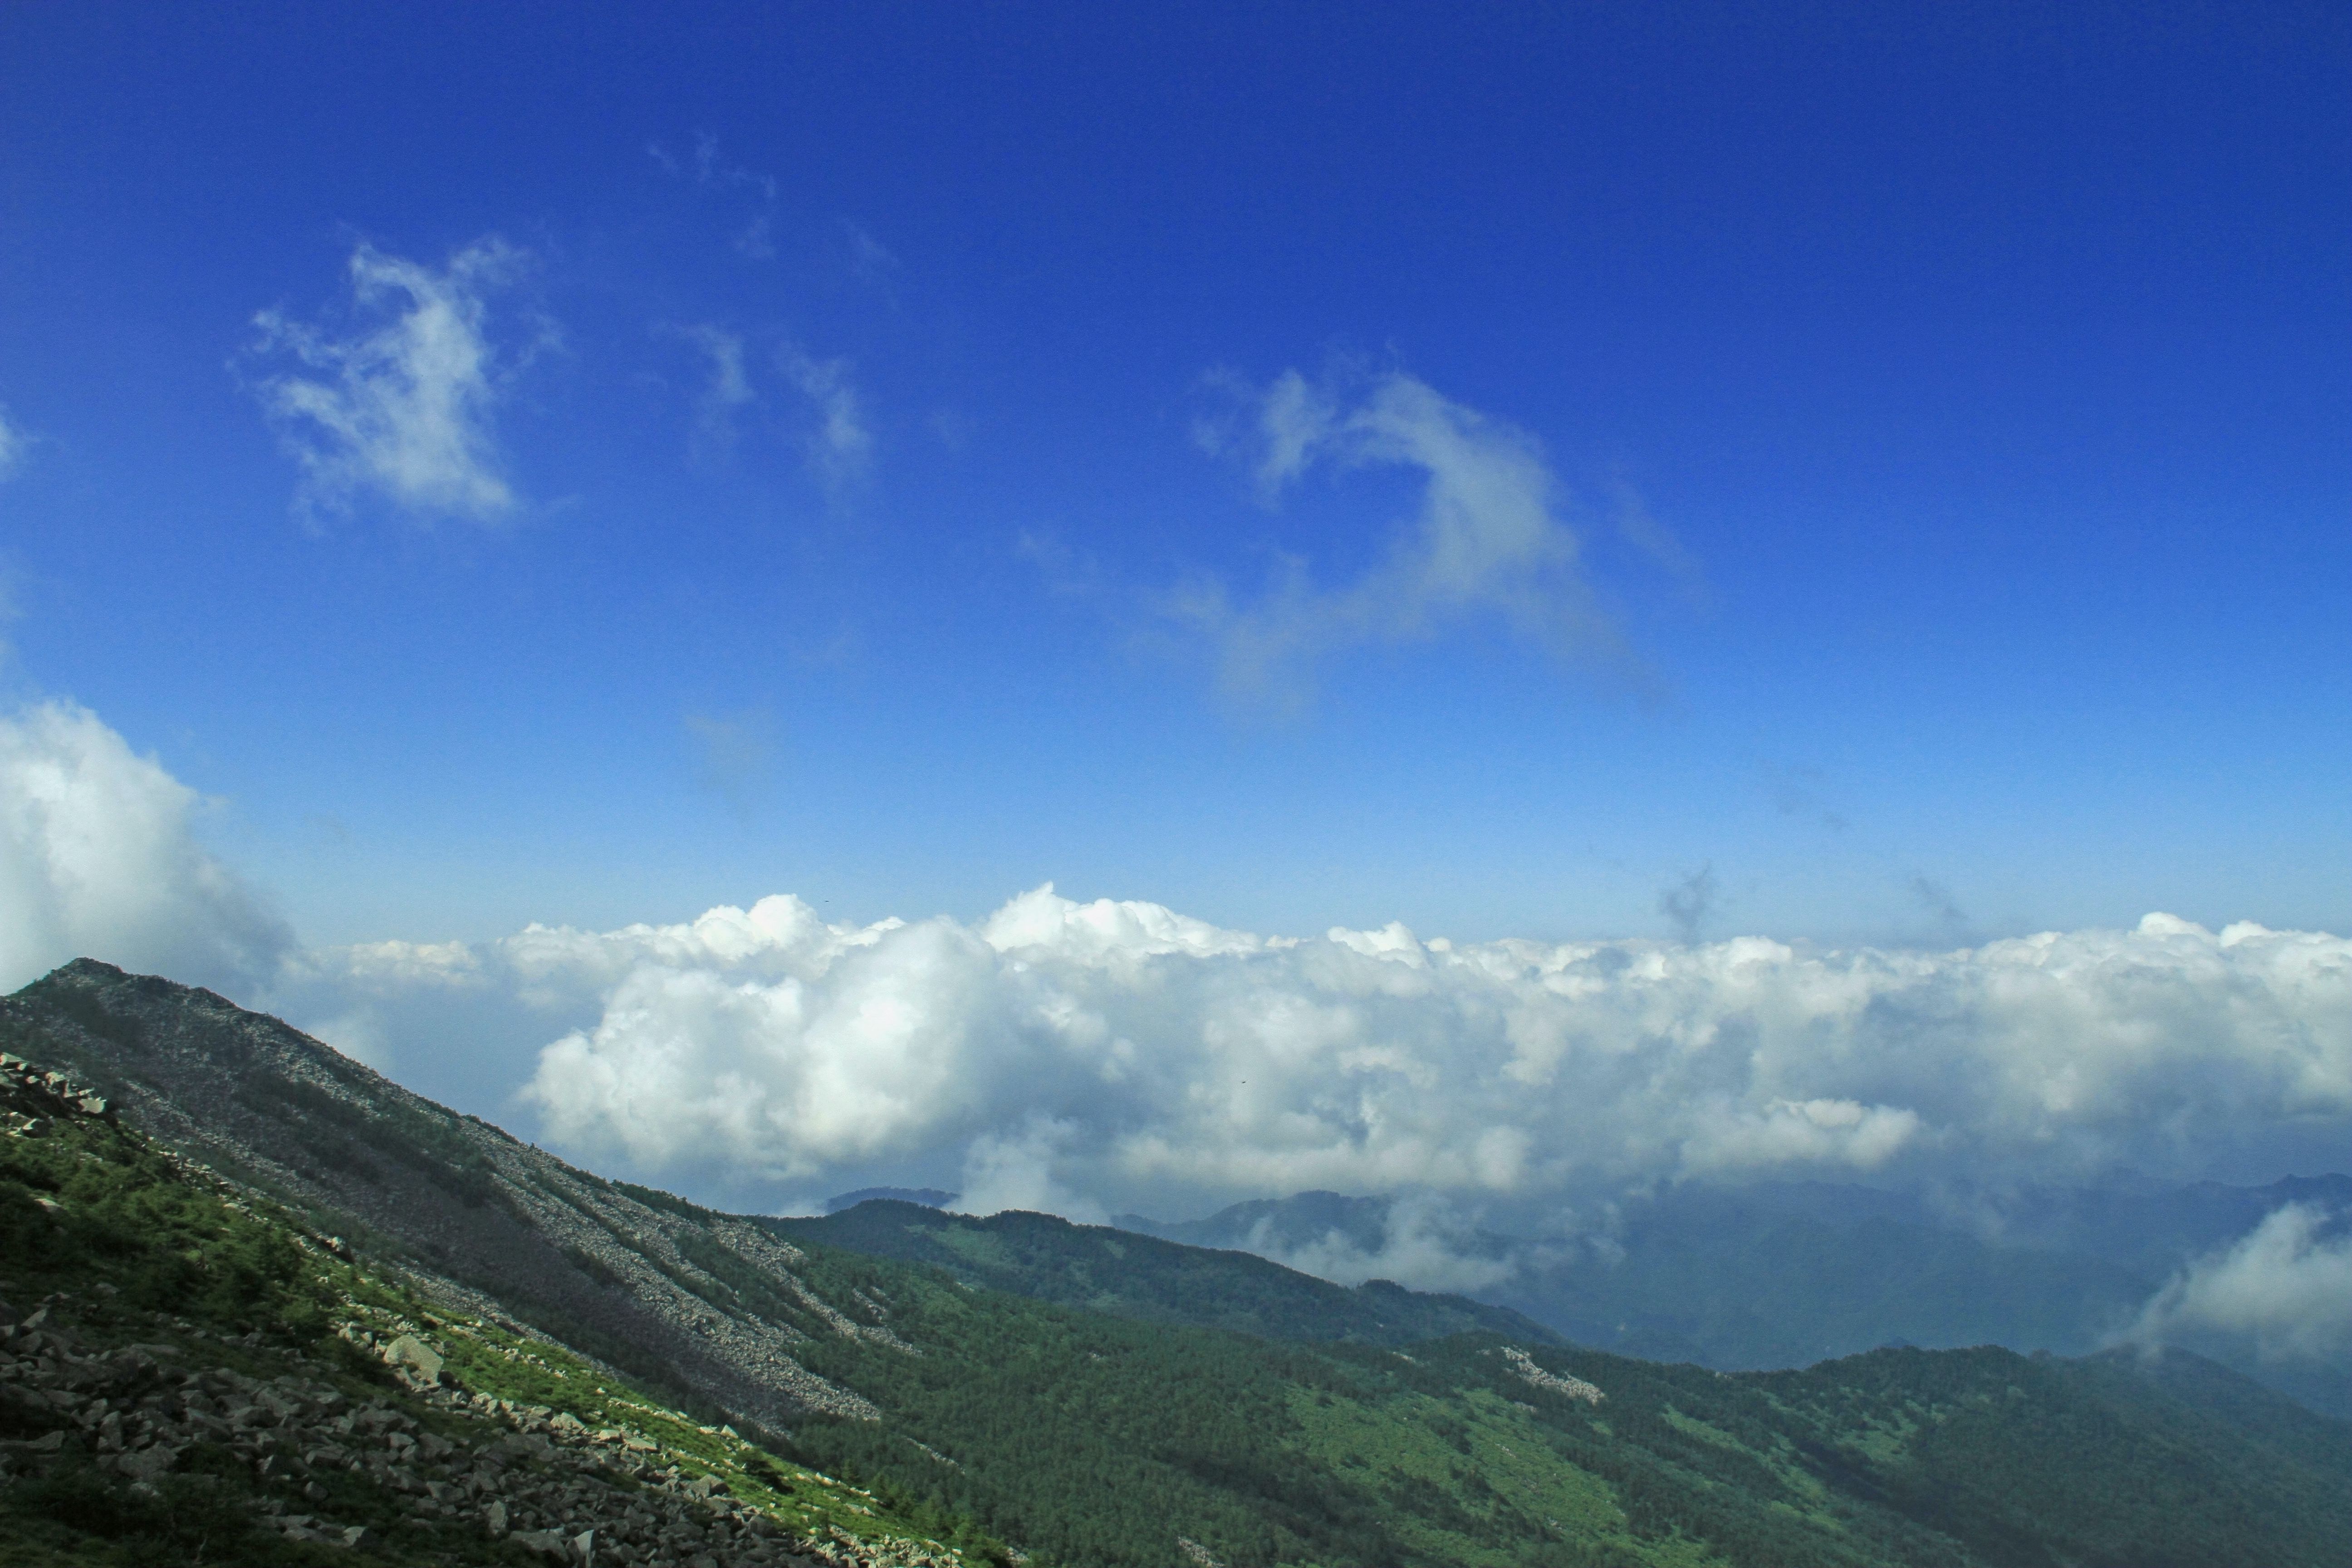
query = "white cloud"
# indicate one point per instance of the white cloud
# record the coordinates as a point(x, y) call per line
point(1486, 541)
point(395, 967)
point(1018, 1169)
point(840, 448)
point(402, 404)
point(1637, 527)
point(2287, 1283)
point(1127, 1057)
point(14, 443)
point(756, 240)
point(1423, 1244)
point(708, 169)
point(1789, 1131)
point(727, 389)
point(870, 260)
point(98, 859)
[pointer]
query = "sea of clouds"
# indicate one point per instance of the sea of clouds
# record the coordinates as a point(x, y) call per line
point(1091, 1059)
point(1078, 1057)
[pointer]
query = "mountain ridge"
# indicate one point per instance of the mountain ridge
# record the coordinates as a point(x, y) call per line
point(1093, 1438)
point(1105, 1269)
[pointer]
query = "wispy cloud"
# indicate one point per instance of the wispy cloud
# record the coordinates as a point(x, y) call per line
point(870, 261)
point(836, 445)
point(1798, 792)
point(757, 242)
point(727, 389)
point(1486, 541)
point(1941, 907)
point(704, 167)
point(1689, 903)
point(839, 448)
point(14, 444)
point(401, 400)
point(1639, 528)
point(1067, 574)
point(736, 755)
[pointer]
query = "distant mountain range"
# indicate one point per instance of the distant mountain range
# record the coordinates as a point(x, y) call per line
point(1787, 1274)
point(891, 1384)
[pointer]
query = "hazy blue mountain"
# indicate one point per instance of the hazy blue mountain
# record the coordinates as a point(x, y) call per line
point(928, 1197)
point(1786, 1274)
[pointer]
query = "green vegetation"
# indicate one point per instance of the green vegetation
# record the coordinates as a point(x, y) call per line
point(158, 1268)
point(1101, 1410)
point(1100, 1439)
point(1142, 1277)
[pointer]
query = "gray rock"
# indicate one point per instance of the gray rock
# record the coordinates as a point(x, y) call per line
point(146, 1464)
point(414, 1357)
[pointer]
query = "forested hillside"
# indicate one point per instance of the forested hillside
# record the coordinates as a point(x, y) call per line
point(969, 1416)
point(1110, 1271)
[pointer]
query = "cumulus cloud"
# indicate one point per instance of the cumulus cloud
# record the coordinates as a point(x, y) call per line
point(840, 446)
point(98, 859)
point(1487, 540)
point(2287, 1284)
point(400, 399)
point(1112, 1056)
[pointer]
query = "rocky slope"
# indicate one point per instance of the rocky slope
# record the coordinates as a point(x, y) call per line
point(348, 1415)
point(401, 1178)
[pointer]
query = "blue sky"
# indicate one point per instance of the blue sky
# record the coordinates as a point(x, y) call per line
point(1567, 599)
point(1982, 375)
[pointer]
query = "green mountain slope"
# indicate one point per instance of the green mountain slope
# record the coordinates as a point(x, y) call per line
point(187, 1376)
point(1116, 1271)
point(1090, 1437)
point(1102, 1434)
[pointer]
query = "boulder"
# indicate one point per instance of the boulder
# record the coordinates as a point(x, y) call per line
point(414, 1359)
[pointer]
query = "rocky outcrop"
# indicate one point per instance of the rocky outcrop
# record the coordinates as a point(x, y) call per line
point(567, 1492)
point(1524, 1367)
point(31, 1097)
